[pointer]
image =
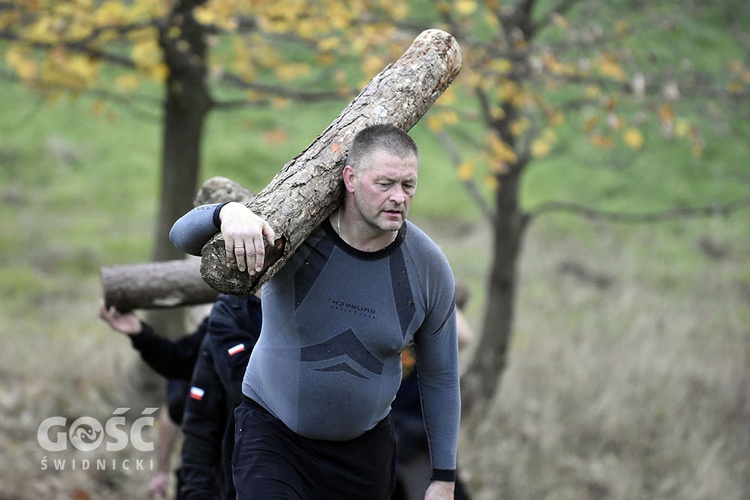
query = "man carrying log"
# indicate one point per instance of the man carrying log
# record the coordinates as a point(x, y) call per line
point(314, 423)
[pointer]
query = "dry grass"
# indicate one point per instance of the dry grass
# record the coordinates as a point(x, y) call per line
point(628, 378)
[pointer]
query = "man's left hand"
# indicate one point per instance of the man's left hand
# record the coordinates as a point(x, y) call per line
point(440, 490)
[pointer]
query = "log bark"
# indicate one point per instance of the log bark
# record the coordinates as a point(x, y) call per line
point(309, 188)
point(155, 285)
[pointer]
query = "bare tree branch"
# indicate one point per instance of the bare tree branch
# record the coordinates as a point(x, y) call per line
point(276, 90)
point(640, 218)
point(129, 102)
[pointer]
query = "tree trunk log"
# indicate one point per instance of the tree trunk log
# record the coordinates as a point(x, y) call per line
point(309, 188)
point(155, 285)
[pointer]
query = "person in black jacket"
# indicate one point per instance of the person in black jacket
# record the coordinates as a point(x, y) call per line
point(214, 359)
point(172, 359)
point(208, 424)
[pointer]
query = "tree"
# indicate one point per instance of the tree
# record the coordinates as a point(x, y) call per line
point(113, 48)
point(530, 65)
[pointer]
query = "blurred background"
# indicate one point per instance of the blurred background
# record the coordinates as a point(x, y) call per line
point(587, 174)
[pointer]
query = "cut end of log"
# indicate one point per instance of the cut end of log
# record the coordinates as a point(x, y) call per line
point(445, 45)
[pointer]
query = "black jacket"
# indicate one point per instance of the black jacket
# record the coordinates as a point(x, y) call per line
point(216, 389)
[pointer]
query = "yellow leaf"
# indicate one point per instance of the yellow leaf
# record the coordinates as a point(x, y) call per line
point(609, 103)
point(501, 65)
point(610, 67)
point(373, 64)
point(540, 148)
point(466, 170)
point(465, 7)
point(491, 182)
point(560, 21)
point(127, 82)
point(146, 53)
point(276, 136)
point(542, 145)
point(508, 90)
point(290, 71)
point(681, 128)
point(590, 123)
point(449, 96)
point(633, 138)
point(556, 118)
point(25, 67)
point(97, 107)
point(205, 15)
point(434, 122)
point(450, 117)
point(735, 66)
point(159, 72)
point(497, 113)
point(281, 102)
point(621, 28)
point(592, 91)
point(329, 43)
point(500, 150)
point(734, 87)
point(602, 141)
point(666, 113)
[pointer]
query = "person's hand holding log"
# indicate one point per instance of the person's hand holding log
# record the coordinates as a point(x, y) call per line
point(245, 235)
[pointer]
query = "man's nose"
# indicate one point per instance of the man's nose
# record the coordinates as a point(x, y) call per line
point(398, 195)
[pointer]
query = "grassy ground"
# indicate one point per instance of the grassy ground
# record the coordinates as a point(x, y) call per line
point(629, 373)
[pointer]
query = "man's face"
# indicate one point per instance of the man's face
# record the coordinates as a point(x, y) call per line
point(383, 189)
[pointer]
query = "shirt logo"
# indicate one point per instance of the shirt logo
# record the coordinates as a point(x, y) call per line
point(343, 353)
point(357, 310)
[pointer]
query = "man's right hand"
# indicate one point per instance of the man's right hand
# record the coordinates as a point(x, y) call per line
point(245, 235)
point(122, 322)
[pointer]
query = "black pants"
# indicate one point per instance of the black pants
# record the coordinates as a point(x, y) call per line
point(271, 461)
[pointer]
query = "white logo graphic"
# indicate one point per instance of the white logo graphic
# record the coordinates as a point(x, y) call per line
point(88, 434)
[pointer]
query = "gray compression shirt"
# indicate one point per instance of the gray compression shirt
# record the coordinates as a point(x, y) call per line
point(335, 320)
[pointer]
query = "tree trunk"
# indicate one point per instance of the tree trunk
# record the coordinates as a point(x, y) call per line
point(482, 377)
point(481, 380)
point(309, 188)
point(187, 103)
point(155, 285)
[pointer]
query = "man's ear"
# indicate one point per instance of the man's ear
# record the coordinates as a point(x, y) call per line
point(349, 175)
